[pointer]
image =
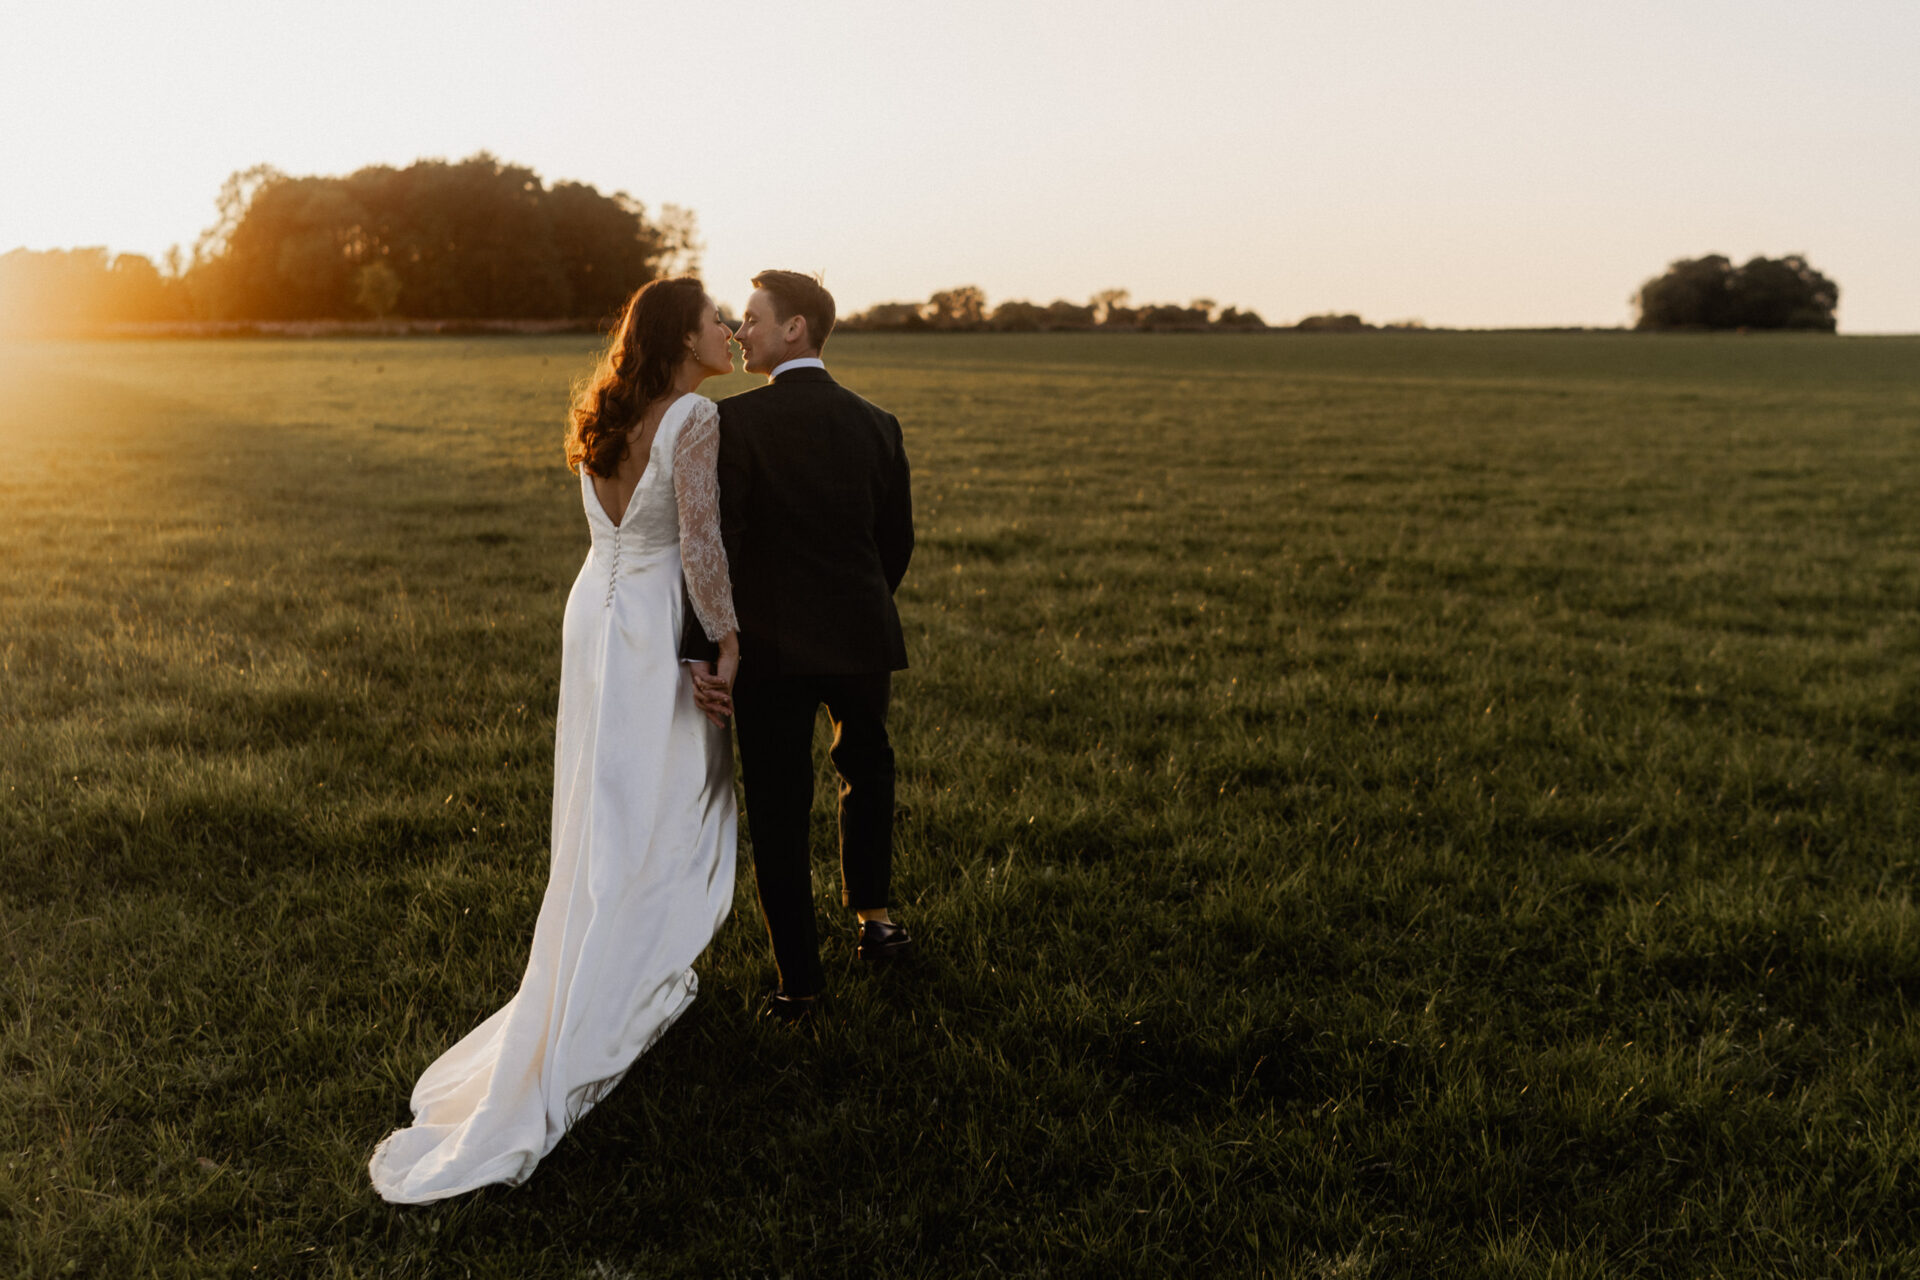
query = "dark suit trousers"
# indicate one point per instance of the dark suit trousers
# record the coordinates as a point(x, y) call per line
point(774, 720)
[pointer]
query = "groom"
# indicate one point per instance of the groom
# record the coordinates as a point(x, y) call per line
point(817, 517)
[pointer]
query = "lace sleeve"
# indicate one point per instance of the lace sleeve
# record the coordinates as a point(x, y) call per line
point(703, 557)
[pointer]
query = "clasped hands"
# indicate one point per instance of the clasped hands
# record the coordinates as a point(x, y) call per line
point(713, 682)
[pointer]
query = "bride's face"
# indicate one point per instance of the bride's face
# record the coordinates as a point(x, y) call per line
point(713, 341)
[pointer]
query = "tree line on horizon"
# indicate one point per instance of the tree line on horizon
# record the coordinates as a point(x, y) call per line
point(480, 239)
point(470, 240)
point(964, 310)
point(1709, 293)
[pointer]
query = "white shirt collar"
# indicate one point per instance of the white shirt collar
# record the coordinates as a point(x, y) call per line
point(798, 362)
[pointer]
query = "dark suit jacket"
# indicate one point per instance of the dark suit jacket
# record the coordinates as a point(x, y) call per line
point(816, 512)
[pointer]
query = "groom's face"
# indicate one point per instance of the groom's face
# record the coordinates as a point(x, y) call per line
point(766, 340)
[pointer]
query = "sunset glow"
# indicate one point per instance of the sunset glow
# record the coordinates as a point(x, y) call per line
point(1477, 164)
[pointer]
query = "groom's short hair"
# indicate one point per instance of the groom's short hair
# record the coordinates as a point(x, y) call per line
point(797, 294)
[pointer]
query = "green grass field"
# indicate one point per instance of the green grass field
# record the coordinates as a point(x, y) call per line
point(1391, 806)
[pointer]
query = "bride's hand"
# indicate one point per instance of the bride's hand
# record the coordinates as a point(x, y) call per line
point(705, 688)
point(713, 686)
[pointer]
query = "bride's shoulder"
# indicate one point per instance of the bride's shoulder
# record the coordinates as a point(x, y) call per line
point(685, 407)
point(695, 417)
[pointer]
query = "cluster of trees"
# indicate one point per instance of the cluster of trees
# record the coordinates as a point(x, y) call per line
point(1712, 293)
point(476, 239)
point(1331, 322)
point(77, 290)
point(964, 310)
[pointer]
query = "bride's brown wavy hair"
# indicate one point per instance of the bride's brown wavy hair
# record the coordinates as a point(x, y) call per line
point(635, 370)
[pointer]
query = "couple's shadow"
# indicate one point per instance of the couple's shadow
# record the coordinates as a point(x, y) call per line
point(735, 1086)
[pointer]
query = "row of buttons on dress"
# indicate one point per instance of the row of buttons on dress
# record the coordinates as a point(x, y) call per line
point(613, 571)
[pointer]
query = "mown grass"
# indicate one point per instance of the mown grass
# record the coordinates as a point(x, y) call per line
point(1425, 805)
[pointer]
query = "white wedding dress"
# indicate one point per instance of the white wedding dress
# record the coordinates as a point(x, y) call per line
point(643, 843)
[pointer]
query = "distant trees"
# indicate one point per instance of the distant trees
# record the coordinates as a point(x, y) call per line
point(1066, 315)
point(1332, 323)
point(889, 315)
point(964, 309)
point(1164, 317)
point(1106, 302)
point(78, 290)
point(1017, 317)
point(475, 239)
point(961, 308)
point(1712, 293)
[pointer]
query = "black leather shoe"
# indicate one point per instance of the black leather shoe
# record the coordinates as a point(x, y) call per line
point(881, 943)
point(788, 1010)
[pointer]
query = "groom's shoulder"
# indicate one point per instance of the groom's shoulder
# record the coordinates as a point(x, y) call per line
point(750, 397)
point(743, 405)
point(777, 399)
point(854, 405)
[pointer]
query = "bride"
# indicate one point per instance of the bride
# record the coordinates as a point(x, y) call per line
point(643, 812)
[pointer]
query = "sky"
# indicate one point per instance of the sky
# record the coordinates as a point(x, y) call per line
point(1461, 162)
